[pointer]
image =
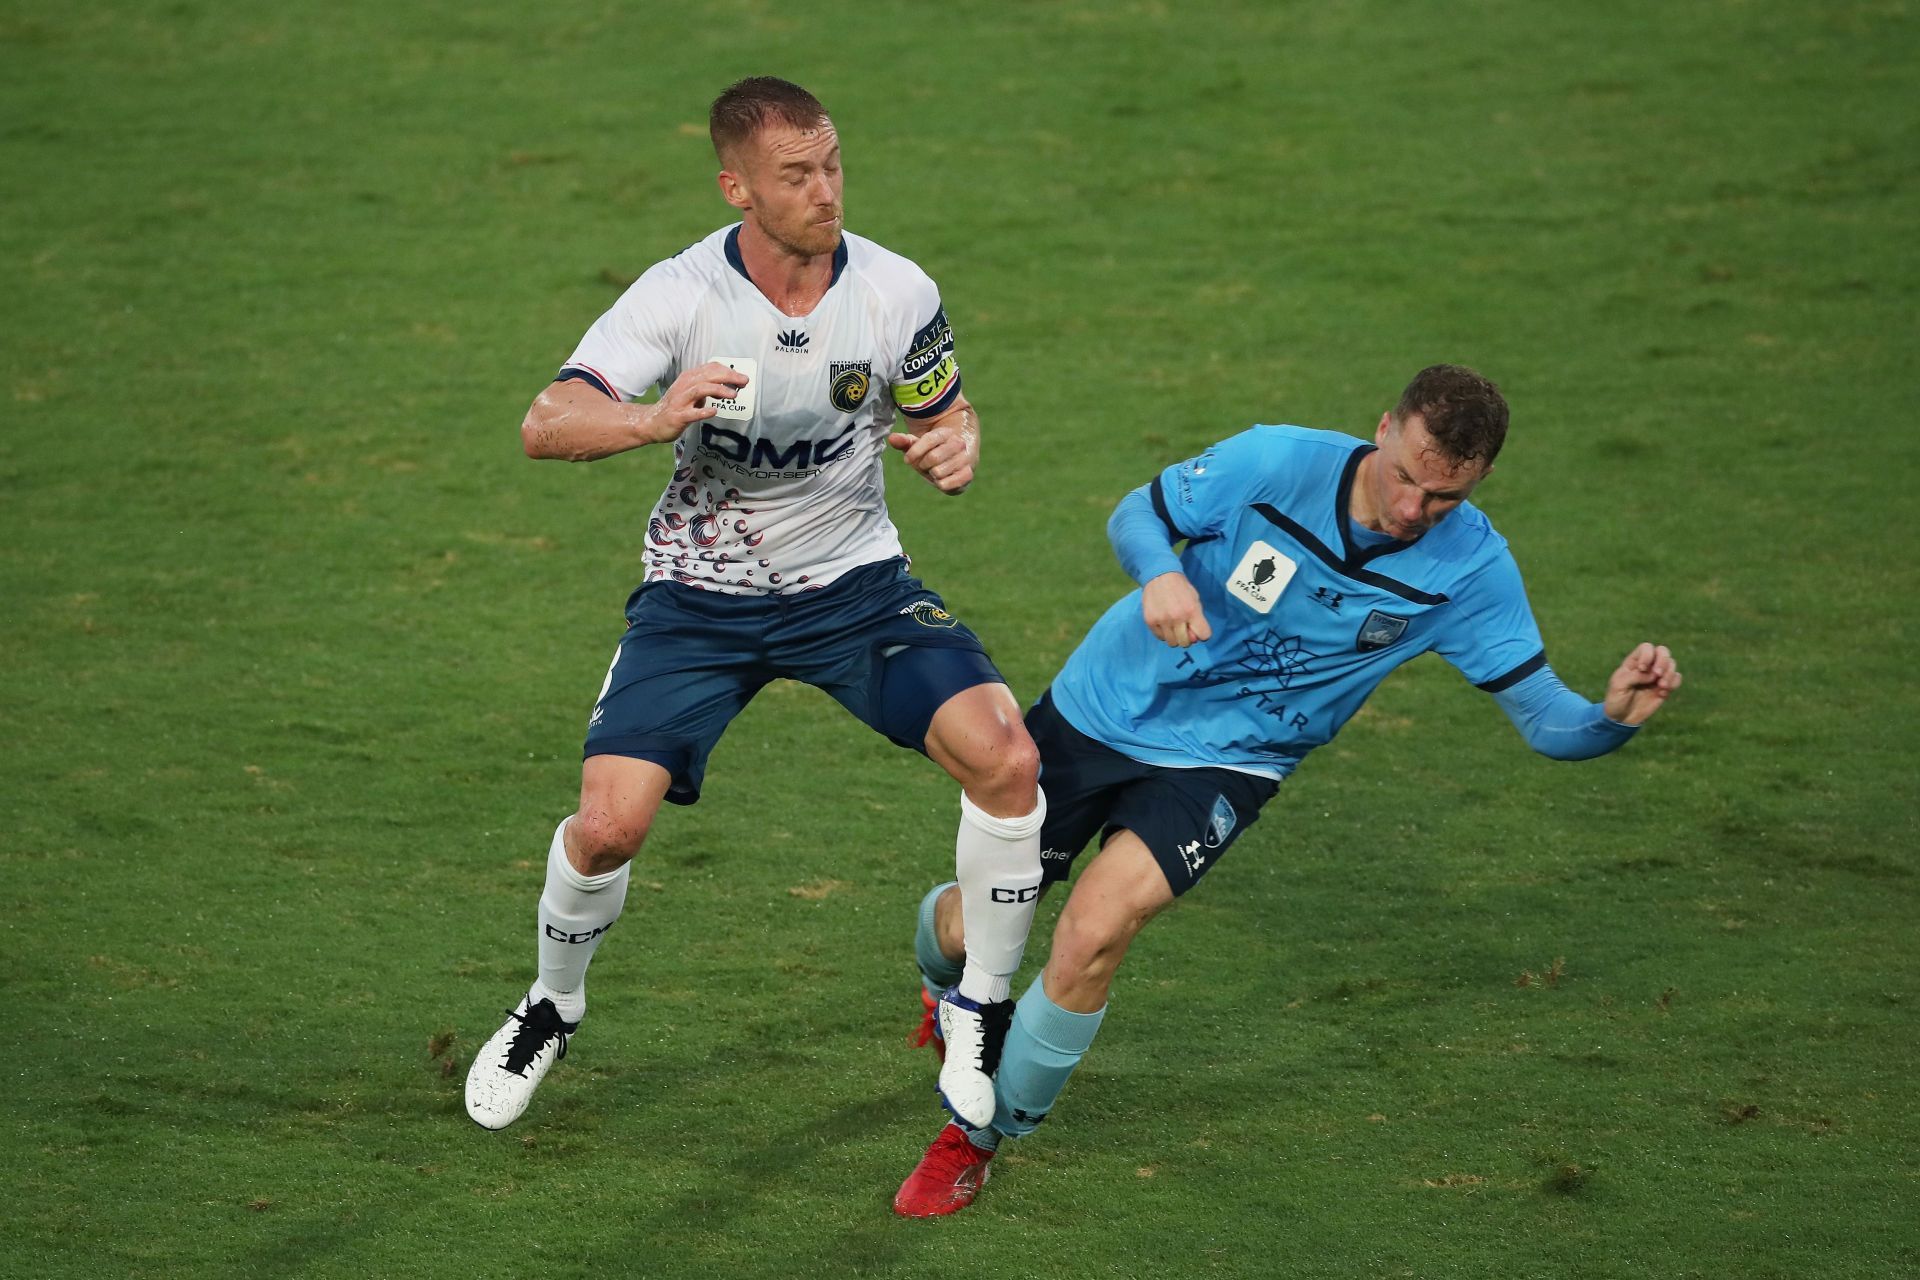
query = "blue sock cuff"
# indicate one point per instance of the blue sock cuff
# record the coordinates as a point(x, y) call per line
point(936, 970)
point(1061, 1030)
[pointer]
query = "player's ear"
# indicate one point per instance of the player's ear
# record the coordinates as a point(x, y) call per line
point(733, 188)
point(1380, 432)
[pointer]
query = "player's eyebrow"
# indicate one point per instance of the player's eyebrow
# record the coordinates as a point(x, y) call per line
point(1431, 493)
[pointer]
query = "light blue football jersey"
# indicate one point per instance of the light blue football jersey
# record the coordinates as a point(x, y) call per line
point(1309, 613)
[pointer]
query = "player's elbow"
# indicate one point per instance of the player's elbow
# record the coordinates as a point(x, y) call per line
point(537, 435)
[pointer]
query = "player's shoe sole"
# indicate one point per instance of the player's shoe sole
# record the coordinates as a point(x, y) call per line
point(510, 1066)
point(974, 1033)
point(947, 1178)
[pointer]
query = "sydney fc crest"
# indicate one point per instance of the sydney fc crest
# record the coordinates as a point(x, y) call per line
point(1379, 631)
point(848, 383)
point(1220, 822)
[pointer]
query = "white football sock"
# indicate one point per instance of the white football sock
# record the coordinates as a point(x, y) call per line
point(575, 913)
point(997, 861)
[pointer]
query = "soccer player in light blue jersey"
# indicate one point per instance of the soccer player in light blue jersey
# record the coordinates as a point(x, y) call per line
point(1314, 564)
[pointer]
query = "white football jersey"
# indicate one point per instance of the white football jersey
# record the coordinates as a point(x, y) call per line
point(784, 490)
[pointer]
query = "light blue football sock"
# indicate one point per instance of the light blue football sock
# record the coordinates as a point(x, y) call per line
point(1043, 1047)
point(937, 972)
point(987, 1139)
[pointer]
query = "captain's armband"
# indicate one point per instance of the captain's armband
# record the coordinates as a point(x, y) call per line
point(929, 377)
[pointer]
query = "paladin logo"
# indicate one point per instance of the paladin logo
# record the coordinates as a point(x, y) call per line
point(792, 341)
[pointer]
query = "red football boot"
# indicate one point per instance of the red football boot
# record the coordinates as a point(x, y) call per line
point(946, 1179)
point(928, 1032)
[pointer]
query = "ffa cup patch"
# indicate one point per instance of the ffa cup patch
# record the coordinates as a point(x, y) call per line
point(1263, 573)
point(848, 383)
point(1379, 631)
point(738, 407)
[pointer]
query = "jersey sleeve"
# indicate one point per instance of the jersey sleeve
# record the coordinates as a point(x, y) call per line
point(1559, 723)
point(1489, 635)
point(635, 344)
point(1140, 537)
point(926, 379)
point(1195, 499)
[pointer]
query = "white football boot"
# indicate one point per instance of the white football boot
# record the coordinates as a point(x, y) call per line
point(509, 1066)
point(974, 1033)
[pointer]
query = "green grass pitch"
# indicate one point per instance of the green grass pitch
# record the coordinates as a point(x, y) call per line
point(297, 648)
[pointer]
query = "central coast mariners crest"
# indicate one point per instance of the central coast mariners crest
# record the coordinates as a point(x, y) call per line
point(848, 383)
point(929, 614)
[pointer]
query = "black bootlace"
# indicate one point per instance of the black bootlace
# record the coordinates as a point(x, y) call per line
point(538, 1025)
point(998, 1018)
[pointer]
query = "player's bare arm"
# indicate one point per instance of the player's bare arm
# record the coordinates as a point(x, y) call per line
point(576, 422)
point(945, 449)
point(1641, 684)
point(1171, 609)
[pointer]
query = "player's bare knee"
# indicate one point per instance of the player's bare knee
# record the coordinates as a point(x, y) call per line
point(1089, 944)
point(949, 927)
point(1003, 775)
point(604, 838)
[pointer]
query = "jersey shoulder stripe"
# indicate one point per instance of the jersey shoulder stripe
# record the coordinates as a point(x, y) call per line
point(1156, 492)
point(1501, 683)
point(574, 371)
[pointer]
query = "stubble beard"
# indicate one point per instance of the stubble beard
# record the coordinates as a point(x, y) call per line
point(809, 240)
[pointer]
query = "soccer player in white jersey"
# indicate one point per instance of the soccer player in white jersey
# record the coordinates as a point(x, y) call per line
point(784, 346)
point(1315, 563)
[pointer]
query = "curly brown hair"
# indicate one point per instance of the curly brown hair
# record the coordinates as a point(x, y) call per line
point(750, 105)
point(1464, 412)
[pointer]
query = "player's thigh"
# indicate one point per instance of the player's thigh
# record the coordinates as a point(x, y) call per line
point(1120, 889)
point(683, 670)
point(1080, 778)
point(1188, 818)
point(883, 645)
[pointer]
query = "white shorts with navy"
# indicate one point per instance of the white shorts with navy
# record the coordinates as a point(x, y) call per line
point(876, 639)
point(1187, 817)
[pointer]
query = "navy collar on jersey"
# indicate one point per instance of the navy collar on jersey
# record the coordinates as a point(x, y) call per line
point(1351, 560)
point(739, 263)
point(1343, 503)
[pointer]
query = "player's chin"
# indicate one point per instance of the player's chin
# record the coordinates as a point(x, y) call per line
point(821, 237)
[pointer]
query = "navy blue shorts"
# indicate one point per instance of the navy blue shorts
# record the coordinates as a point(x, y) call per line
point(875, 639)
point(1188, 818)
